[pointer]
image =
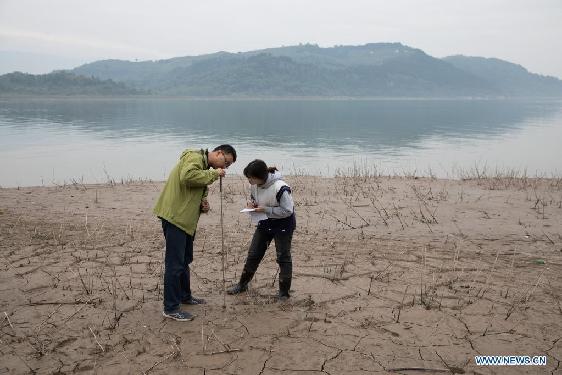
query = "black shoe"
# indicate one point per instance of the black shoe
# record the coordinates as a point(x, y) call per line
point(194, 301)
point(180, 316)
point(283, 297)
point(237, 289)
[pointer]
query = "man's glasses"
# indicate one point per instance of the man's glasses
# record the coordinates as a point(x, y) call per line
point(226, 162)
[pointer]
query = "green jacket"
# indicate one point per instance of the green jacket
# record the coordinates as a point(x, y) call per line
point(180, 200)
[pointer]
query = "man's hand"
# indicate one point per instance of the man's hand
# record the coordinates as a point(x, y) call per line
point(221, 171)
point(260, 209)
point(205, 206)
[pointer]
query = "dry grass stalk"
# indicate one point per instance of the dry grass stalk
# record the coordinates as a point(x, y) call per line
point(96, 339)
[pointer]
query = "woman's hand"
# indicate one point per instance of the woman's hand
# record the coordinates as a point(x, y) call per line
point(251, 204)
point(259, 209)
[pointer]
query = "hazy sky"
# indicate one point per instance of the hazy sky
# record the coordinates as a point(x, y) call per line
point(525, 32)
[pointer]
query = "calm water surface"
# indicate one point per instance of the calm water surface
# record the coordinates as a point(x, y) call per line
point(92, 140)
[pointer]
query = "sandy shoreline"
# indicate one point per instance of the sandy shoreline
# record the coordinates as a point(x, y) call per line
point(390, 274)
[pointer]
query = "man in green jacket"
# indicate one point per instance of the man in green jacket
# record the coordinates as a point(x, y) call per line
point(182, 200)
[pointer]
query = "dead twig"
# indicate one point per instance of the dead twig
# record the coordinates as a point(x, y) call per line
point(46, 319)
point(535, 287)
point(401, 304)
point(9, 322)
point(224, 351)
point(159, 362)
point(12, 267)
point(96, 339)
point(78, 310)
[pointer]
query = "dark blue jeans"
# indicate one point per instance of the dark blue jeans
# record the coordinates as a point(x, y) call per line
point(179, 254)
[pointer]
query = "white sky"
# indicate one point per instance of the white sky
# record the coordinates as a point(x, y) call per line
point(525, 32)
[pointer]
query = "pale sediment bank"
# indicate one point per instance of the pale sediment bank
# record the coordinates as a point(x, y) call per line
point(388, 273)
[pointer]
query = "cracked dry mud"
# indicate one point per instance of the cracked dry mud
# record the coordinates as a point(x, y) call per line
point(391, 275)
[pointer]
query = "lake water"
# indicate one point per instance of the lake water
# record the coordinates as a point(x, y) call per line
point(56, 141)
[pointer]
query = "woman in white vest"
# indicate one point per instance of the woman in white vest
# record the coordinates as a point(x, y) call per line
point(271, 195)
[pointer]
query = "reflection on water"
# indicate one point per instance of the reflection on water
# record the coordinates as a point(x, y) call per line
point(44, 141)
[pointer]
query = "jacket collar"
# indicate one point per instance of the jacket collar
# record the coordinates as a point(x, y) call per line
point(205, 154)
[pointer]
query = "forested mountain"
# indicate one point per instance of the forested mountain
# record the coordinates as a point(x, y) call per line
point(510, 79)
point(60, 83)
point(371, 70)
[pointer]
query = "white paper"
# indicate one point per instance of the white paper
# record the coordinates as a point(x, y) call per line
point(248, 210)
point(255, 216)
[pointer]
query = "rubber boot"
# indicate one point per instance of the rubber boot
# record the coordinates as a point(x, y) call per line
point(285, 278)
point(242, 285)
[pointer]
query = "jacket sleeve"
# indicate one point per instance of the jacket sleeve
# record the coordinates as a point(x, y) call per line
point(252, 195)
point(285, 208)
point(192, 173)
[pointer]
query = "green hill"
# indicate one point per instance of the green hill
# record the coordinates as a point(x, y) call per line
point(370, 70)
point(60, 83)
point(508, 78)
point(376, 69)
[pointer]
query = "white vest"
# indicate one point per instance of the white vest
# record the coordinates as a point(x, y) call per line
point(267, 197)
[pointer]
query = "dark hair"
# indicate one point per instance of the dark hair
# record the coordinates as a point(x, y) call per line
point(258, 169)
point(227, 149)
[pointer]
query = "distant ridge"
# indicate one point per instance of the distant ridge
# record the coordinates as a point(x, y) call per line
point(370, 70)
point(509, 78)
point(60, 83)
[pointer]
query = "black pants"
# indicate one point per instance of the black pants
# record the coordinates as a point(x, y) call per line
point(179, 254)
point(260, 242)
